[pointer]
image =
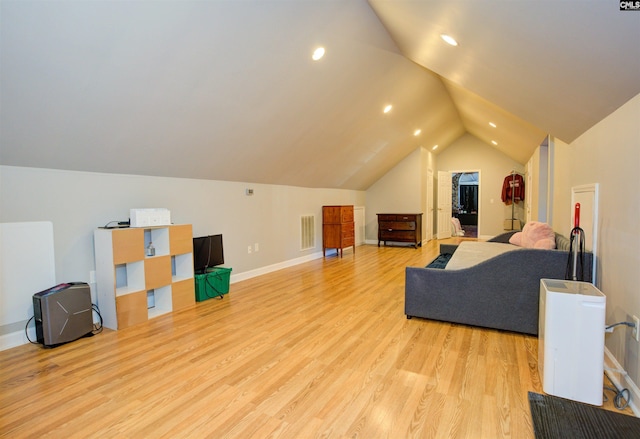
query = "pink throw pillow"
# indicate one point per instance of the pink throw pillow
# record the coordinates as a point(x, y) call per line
point(535, 235)
point(516, 239)
point(545, 244)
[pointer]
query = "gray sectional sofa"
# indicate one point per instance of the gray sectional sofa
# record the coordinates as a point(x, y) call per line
point(501, 292)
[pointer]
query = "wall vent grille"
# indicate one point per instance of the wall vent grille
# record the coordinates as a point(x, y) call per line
point(307, 232)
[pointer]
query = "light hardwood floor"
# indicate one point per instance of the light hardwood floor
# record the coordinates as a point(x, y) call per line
point(322, 349)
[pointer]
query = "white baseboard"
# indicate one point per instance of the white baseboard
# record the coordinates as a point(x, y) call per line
point(17, 338)
point(621, 380)
point(275, 267)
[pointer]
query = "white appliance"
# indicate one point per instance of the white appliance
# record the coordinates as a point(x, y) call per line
point(571, 340)
point(149, 217)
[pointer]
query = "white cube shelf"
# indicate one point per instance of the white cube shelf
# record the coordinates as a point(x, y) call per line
point(128, 281)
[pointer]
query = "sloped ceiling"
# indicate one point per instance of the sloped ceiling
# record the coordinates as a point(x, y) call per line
point(562, 66)
point(227, 90)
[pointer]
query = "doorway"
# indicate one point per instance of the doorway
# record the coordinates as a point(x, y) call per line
point(465, 201)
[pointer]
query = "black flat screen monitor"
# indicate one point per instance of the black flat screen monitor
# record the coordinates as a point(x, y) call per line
point(207, 252)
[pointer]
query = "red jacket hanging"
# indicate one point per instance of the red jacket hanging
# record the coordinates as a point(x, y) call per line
point(513, 189)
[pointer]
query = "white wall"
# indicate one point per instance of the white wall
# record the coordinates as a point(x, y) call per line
point(532, 189)
point(609, 154)
point(562, 220)
point(401, 190)
point(79, 202)
point(541, 191)
point(470, 153)
point(428, 163)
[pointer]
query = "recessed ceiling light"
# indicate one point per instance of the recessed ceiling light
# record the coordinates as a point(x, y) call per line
point(492, 124)
point(387, 108)
point(318, 53)
point(494, 142)
point(417, 132)
point(449, 39)
point(434, 147)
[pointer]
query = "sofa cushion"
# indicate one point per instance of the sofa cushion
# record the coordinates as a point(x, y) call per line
point(535, 235)
point(562, 243)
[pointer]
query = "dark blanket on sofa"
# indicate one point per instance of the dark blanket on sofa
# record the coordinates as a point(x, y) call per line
point(441, 261)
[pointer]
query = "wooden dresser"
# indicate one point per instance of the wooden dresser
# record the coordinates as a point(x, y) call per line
point(338, 230)
point(400, 227)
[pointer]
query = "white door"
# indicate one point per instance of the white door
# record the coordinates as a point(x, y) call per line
point(429, 232)
point(444, 205)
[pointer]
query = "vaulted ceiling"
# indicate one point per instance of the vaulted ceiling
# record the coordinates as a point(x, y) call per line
point(227, 90)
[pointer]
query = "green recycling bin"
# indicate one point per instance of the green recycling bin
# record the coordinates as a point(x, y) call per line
point(213, 283)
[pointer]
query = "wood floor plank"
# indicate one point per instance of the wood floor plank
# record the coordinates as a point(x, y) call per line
point(321, 349)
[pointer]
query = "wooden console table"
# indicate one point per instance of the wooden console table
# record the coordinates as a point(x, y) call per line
point(400, 227)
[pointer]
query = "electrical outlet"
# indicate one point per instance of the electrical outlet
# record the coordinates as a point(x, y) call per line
point(636, 329)
point(256, 247)
point(249, 250)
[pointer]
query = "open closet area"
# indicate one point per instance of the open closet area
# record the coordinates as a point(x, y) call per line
point(465, 188)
